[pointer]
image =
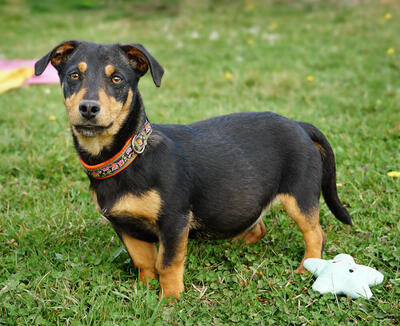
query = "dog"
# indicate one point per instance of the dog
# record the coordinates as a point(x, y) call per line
point(163, 183)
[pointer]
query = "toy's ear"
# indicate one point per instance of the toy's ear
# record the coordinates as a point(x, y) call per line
point(315, 265)
point(60, 54)
point(344, 258)
point(140, 60)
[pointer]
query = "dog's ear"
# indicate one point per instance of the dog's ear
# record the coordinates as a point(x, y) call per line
point(57, 56)
point(141, 60)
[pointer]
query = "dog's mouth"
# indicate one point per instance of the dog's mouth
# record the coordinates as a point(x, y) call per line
point(91, 130)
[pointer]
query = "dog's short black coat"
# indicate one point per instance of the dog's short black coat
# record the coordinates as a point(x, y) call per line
point(210, 179)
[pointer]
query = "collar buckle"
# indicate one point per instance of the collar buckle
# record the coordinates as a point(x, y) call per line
point(139, 141)
point(138, 144)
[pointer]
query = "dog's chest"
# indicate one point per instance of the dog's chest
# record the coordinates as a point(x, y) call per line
point(146, 206)
point(134, 214)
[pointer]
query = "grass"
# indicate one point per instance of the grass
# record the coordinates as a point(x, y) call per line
point(60, 264)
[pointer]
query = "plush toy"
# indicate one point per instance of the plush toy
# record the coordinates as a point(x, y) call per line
point(342, 275)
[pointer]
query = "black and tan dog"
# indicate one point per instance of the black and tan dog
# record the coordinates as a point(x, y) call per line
point(165, 183)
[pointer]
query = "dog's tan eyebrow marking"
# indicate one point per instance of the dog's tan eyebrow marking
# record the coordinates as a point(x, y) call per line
point(109, 70)
point(82, 66)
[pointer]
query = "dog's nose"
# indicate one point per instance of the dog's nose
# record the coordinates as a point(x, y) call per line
point(89, 110)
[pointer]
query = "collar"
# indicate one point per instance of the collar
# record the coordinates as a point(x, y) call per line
point(120, 161)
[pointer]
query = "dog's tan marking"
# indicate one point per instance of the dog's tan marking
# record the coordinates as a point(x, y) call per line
point(114, 111)
point(308, 224)
point(109, 70)
point(109, 105)
point(61, 53)
point(72, 103)
point(318, 145)
point(257, 231)
point(171, 276)
point(193, 224)
point(93, 145)
point(96, 203)
point(111, 111)
point(82, 66)
point(253, 235)
point(320, 148)
point(143, 254)
point(147, 205)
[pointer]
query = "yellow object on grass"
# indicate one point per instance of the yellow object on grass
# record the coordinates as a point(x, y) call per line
point(228, 76)
point(310, 78)
point(394, 174)
point(390, 51)
point(14, 78)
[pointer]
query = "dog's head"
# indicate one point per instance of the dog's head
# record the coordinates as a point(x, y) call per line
point(99, 82)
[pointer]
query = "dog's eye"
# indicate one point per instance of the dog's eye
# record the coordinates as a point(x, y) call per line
point(116, 79)
point(74, 76)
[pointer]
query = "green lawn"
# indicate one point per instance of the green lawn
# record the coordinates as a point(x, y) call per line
point(335, 64)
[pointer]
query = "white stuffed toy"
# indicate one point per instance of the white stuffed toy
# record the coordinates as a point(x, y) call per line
point(343, 275)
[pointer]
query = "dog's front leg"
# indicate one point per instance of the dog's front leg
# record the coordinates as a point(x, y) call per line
point(171, 261)
point(143, 255)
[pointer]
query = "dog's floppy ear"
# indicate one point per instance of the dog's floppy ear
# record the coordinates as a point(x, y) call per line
point(57, 56)
point(141, 60)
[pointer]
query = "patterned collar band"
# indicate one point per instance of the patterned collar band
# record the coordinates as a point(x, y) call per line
point(120, 161)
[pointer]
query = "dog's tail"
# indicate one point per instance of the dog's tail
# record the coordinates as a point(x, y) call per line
point(329, 190)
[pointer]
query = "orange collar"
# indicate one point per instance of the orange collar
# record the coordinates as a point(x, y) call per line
point(134, 146)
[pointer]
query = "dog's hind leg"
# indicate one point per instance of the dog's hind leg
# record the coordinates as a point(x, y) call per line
point(253, 235)
point(308, 223)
